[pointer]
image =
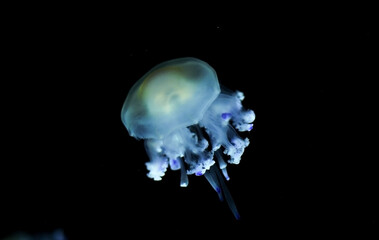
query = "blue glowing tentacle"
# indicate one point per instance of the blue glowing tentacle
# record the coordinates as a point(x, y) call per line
point(227, 194)
point(212, 179)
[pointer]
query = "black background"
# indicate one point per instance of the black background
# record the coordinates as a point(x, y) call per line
point(305, 71)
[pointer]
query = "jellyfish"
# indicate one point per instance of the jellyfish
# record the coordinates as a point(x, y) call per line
point(188, 122)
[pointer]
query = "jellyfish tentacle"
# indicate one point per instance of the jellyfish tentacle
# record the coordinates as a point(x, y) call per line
point(158, 163)
point(214, 176)
point(213, 181)
point(222, 165)
point(228, 196)
point(243, 121)
point(216, 122)
point(183, 175)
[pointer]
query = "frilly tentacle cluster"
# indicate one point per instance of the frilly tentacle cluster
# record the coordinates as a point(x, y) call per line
point(191, 151)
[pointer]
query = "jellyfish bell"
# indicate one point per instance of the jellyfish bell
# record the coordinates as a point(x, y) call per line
point(172, 95)
point(188, 122)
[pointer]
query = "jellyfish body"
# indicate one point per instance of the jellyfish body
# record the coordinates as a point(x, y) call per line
point(188, 122)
